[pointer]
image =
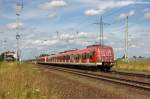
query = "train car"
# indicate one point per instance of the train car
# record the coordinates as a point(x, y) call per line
point(93, 55)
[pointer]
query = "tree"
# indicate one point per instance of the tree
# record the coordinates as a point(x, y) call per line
point(134, 57)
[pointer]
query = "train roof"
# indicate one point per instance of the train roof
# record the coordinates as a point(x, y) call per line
point(97, 45)
point(75, 51)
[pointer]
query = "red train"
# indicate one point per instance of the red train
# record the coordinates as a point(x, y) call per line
point(92, 56)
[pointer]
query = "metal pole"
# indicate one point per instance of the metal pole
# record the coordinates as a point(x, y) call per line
point(101, 27)
point(126, 40)
point(5, 41)
point(102, 30)
point(100, 24)
point(19, 7)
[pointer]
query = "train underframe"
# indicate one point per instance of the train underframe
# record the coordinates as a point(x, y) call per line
point(105, 66)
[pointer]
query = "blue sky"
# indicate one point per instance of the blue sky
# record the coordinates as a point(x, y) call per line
point(41, 19)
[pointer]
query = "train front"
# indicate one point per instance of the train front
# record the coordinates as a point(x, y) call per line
point(105, 56)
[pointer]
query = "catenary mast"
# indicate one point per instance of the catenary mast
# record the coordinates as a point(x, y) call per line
point(19, 7)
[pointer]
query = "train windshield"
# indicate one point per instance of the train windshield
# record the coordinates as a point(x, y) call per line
point(105, 52)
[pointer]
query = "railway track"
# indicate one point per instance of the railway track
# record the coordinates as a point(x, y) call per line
point(132, 74)
point(112, 79)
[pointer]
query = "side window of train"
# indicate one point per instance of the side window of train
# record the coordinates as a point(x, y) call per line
point(77, 57)
point(68, 57)
point(94, 53)
point(65, 57)
point(80, 56)
point(84, 55)
point(74, 56)
point(91, 55)
point(87, 55)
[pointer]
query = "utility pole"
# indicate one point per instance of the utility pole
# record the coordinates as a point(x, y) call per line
point(101, 29)
point(126, 41)
point(77, 33)
point(58, 37)
point(19, 7)
point(5, 42)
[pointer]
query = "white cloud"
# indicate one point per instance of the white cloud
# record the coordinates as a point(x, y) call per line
point(53, 4)
point(92, 12)
point(118, 49)
point(102, 6)
point(147, 15)
point(142, 2)
point(32, 13)
point(14, 25)
point(58, 3)
point(124, 15)
point(64, 39)
point(133, 46)
point(81, 34)
point(131, 13)
point(115, 4)
point(45, 6)
point(146, 9)
point(52, 15)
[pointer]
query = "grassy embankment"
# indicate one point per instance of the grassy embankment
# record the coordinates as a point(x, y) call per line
point(24, 81)
point(133, 65)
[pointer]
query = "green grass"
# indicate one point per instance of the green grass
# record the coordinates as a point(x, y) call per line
point(24, 81)
point(133, 65)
